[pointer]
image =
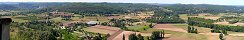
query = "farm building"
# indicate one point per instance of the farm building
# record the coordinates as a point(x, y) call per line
point(92, 23)
point(69, 24)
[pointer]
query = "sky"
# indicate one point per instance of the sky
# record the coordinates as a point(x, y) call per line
point(215, 2)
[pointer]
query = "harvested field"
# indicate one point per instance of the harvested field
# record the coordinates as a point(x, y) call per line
point(208, 16)
point(116, 33)
point(222, 23)
point(114, 17)
point(184, 16)
point(88, 18)
point(75, 18)
point(186, 36)
point(127, 33)
point(214, 18)
point(102, 29)
point(227, 23)
point(234, 38)
point(240, 24)
point(168, 27)
point(4, 12)
point(213, 37)
point(239, 34)
point(106, 27)
point(204, 14)
point(98, 30)
point(213, 34)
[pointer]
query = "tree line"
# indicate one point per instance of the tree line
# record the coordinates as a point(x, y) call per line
point(165, 17)
point(194, 22)
point(155, 35)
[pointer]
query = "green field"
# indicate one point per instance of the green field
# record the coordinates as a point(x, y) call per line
point(138, 28)
point(19, 20)
point(58, 19)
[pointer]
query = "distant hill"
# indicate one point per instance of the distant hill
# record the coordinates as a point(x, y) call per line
point(202, 8)
point(7, 7)
point(25, 6)
point(113, 8)
point(100, 8)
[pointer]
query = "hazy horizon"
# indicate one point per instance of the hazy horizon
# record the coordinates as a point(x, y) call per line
point(214, 2)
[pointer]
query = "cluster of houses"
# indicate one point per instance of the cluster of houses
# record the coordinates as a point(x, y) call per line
point(72, 23)
point(62, 14)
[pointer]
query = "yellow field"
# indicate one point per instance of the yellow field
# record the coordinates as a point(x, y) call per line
point(92, 18)
point(183, 16)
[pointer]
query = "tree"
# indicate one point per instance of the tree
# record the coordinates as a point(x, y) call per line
point(119, 23)
point(191, 30)
point(160, 35)
point(155, 35)
point(123, 37)
point(140, 37)
point(151, 25)
point(224, 32)
point(195, 31)
point(215, 31)
point(97, 20)
point(233, 21)
point(221, 36)
point(98, 37)
point(147, 38)
point(163, 34)
point(104, 23)
point(132, 37)
point(188, 29)
point(201, 22)
point(106, 36)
